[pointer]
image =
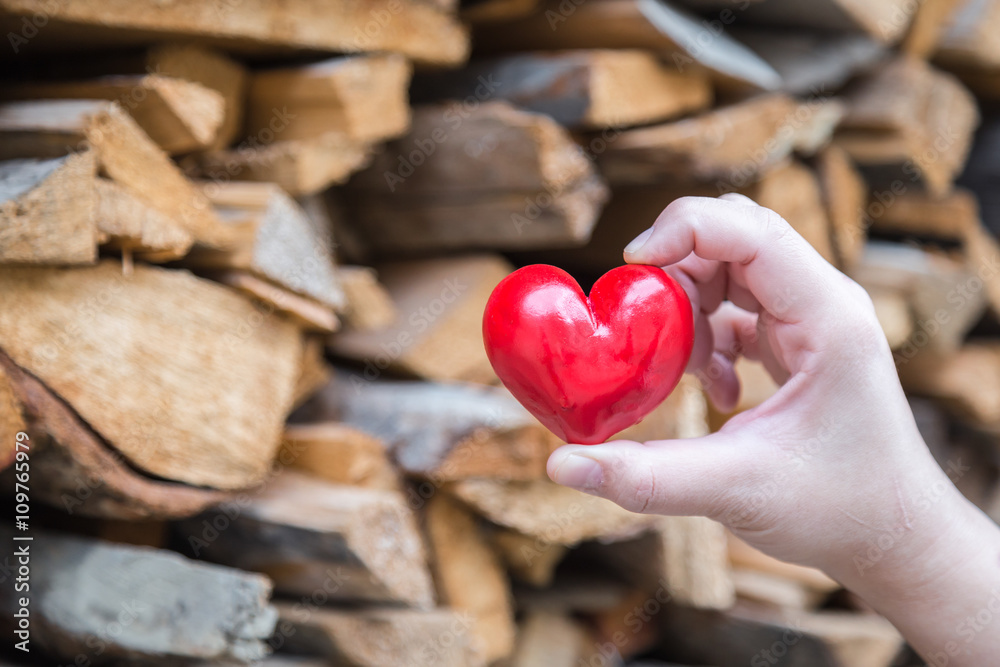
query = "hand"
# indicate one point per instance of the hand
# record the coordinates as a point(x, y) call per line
point(829, 472)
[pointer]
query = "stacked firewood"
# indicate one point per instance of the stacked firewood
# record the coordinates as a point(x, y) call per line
point(245, 248)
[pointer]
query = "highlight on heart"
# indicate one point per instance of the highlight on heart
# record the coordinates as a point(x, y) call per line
point(588, 367)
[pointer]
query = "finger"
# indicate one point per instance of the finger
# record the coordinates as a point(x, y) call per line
point(709, 278)
point(718, 378)
point(696, 477)
point(786, 275)
point(735, 333)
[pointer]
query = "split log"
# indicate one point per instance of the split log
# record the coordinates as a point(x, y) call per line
point(179, 116)
point(866, 640)
point(299, 167)
point(892, 308)
point(919, 214)
point(495, 177)
point(76, 470)
point(273, 239)
point(308, 313)
point(314, 372)
point(967, 382)
point(570, 516)
point(150, 533)
point(375, 637)
point(361, 98)
point(618, 630)
point(884, 21)
point(687, 557)
point(340, 454)
point(487, 11)
point(551, 639)
point(124, 153)
point(529, 559)
point(909, 123)
point(928, 27)
point(48, 210)
point(419, 30)
point(772, 590)
point(631, 24)
point(441, 432)
point(12, 420)
point(967, 40)
point(369, 305)
point(583, 89)
point(812, 63)
point(935, 287)
point(441, 337)
point(469, 576)
point(734, 144)
point(320, 540)
point(794, 193)
point(210, 68)
point(844, 196)
point(127, 223)
point(91, 599)
point(128, 364)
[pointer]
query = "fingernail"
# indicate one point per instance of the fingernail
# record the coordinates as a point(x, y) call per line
point(580, 473)
point(639, 241)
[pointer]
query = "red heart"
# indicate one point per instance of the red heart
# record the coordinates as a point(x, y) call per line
point(589, 367)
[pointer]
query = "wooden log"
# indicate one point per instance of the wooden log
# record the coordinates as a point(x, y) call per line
point(812, 63)
point(769, 589)
point(885, 21)
point(309, 314)
point(469, 576)
point(844, 196)
point(299, 167)
point(967, 41)
point(340, 454)
point(375, 637)
point(314, 372)
point(631, 24)
point(486, 11)
point(892, 308)
point(419, 30)
point(440, 336)
point(127, 223)
point(570, 516)
point(551, 639)
point(274, 240)
point(685, 556)
point(94, 599)
point(76, 470)
point(369, 304)
point(921, 215)
point(735, 143)
point(794, 193)
point(179, 116)
point(529, 559)
point(928, 27)
point(150, 533)
point(314, 538)
point(210, 68)
point(935, 287)
point(966, 381)
point(500, 178)
point(12, 422)
point(441, 432)
point(619, 630)
point(128, 366)
point(48, 210)
point(361, 98)
point(910, 123)
point(584, 89)
point(124, 153)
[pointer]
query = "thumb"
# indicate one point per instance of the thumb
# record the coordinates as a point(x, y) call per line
point(693, 477)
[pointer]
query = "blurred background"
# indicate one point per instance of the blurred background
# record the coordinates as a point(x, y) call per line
point(245, 245)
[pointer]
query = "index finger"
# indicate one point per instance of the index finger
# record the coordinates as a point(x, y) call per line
point(788, 277)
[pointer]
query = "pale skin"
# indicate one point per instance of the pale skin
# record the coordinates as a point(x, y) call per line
point(829, 472)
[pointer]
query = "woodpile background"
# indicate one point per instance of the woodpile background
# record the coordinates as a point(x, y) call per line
point(245, 247)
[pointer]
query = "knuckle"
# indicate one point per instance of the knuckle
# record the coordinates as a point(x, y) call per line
point(637, 491)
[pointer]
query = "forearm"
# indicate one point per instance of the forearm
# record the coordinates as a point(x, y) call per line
point(943, 590)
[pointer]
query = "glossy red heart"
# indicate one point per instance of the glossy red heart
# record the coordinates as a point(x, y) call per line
point(589, 367)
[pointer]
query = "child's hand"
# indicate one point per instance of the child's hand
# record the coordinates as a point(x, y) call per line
point(830, 471)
